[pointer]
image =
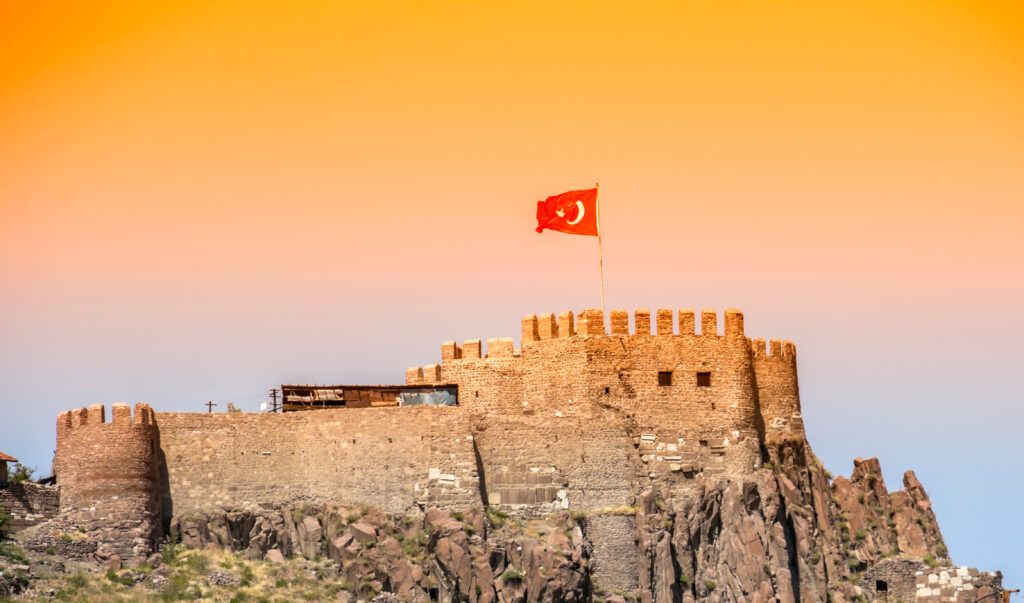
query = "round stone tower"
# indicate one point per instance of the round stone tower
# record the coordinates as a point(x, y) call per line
point(107, 473)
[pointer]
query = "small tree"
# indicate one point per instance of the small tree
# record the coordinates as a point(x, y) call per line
point(21, 473)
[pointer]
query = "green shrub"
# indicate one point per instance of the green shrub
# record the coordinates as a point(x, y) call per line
point(198, 563)
point(941, 550)
point(497, 516)
point(861, 535)
point(512, 575)
point(122, 579)
point(13, 552)
point(685, 581)
point(247, 576)
point(21, 474)
point(170, 552)
point(176, 589)
point(710, 585)
point(5, 522)
point(930, 560)
point(413, 544)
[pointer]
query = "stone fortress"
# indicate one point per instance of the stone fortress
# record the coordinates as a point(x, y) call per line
point(584, 416)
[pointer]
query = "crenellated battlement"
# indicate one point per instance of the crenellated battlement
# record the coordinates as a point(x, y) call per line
point(95, 414)
point(538, 328)
point(777, 349)
point(543, 327)
point(682, 342)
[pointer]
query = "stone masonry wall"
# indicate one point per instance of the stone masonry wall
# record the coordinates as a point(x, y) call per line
point(387, 457)
point(28, 504)
point(910, 579)
point(568, 369)
point(578, 417)
point(778, 388)
point(107, 475)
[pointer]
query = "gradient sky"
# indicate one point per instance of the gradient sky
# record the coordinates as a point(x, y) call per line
point(199, 201)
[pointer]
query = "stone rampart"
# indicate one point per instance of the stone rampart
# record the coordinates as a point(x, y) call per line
point(910, 579)
point(584, 415)
point(28, 504)
point(778, 388)
point(692, 402)
point(107, 474)
point(391, 458)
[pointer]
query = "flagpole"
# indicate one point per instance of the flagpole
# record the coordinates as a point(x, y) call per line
point(600, 254)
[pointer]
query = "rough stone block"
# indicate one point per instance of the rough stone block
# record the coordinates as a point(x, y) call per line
point(733, 323)
point(547, 326)
point(363, 532)
point(664, 322)
point(450, 351)
point(432, 373)
point(620, 322)
point(642, 318)
point(686, 322)
point(566, 325)
point(709, 323)
point(122, 413)
point(471, 349)
point(530, 333)
point(500, 347)
point(592, 323)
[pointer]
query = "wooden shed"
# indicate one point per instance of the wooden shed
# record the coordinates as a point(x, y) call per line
point(4, 459)
point(314, 397)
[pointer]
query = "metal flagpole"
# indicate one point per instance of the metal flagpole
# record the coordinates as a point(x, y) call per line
point(600, 254)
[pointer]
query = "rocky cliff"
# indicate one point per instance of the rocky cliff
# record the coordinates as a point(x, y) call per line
point(786, 532)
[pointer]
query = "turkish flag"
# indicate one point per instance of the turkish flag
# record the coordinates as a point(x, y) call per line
point(574, 212)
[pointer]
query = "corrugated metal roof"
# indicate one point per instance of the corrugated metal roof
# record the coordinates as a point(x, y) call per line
point(8, 458)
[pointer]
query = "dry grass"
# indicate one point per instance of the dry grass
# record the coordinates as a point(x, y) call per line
point(188, 578)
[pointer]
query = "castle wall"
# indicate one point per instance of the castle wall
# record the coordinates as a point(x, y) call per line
point(107, 475)
point(583, 416)
point(778, 388)
point(387, 457)
point(28, 504)
point(572, 370)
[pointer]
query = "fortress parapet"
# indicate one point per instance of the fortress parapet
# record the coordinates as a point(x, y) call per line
point(778, 387)
point(543, 327)
point(720, 380)
point(107, 473)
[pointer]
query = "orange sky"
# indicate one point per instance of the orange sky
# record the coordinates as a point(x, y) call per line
point(199, 199)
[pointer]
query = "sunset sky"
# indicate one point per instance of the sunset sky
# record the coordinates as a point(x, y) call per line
point(202, 200)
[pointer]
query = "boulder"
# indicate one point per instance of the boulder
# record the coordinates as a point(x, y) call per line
point(363, 533)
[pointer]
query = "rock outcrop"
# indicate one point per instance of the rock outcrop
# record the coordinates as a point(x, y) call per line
point(783, 533)
point(435, 555)
point(786, 532)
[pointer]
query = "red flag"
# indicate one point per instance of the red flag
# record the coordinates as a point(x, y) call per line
point(574, 212)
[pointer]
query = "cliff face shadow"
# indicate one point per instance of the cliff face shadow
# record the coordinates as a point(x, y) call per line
point(164, 501)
